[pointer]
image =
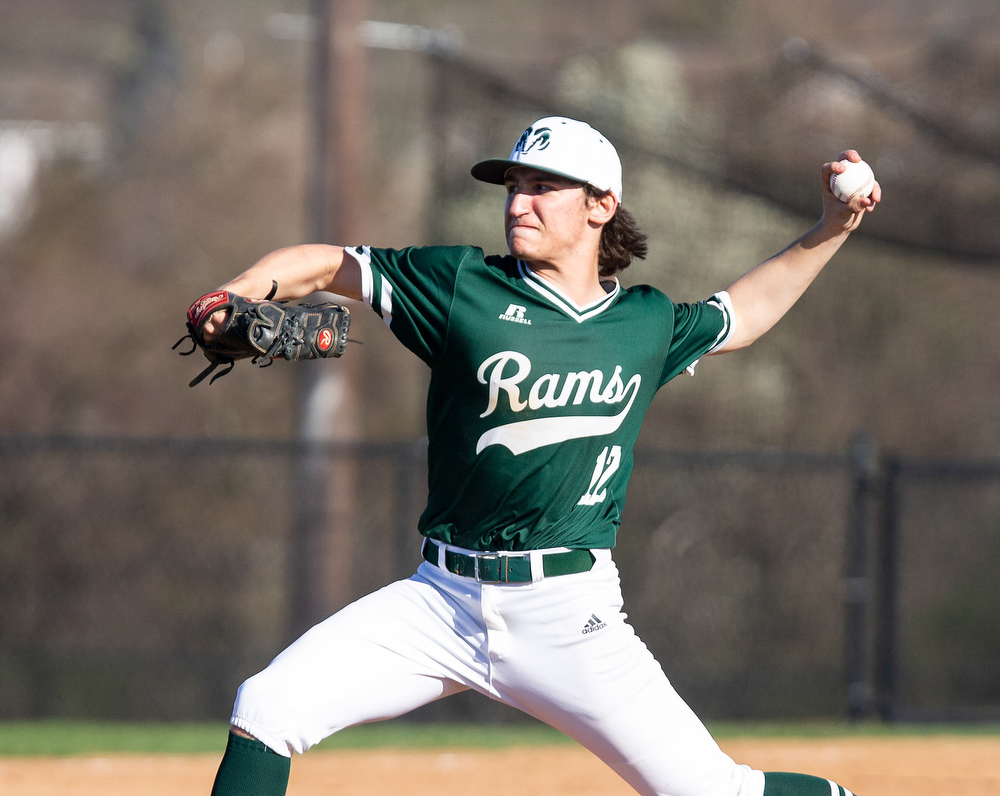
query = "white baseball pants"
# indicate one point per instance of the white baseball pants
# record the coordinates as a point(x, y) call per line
point(559, 649)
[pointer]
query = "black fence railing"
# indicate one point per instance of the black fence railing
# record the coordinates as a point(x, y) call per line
point(937, 550)
point(144, 578)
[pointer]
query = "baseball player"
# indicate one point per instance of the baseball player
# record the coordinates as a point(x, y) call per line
point(542, 367)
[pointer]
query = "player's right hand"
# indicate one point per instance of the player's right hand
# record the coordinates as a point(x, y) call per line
point(843, 215)
point(214, 325)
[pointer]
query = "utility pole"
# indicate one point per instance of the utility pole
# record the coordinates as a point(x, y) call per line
point(322, 545)
point(325, 478)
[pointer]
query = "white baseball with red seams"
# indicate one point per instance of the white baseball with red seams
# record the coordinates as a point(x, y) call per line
point(857, 180)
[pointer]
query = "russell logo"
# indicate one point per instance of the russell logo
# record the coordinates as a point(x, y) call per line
point(515, 314)
point(324, 340)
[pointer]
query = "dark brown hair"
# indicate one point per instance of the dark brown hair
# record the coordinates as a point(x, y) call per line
point(621, 238)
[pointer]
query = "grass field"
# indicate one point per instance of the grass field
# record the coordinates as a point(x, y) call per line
point(60, 737)
point(25, 738)
point(108, 759)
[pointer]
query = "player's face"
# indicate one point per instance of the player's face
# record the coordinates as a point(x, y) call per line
point(545, 217)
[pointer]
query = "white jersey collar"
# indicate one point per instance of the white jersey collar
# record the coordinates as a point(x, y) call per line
point(561, 301)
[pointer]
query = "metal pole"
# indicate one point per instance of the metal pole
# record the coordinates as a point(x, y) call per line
point(438, 124)
point(858, 587)
point(887, 667)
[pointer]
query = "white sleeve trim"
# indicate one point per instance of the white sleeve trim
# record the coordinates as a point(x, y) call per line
point(364, 260)
point(386, 302)
point(724, 302)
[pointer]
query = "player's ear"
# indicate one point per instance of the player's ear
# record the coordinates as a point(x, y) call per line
point(603, 208)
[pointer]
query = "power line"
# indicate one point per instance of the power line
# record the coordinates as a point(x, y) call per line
point(872, 85)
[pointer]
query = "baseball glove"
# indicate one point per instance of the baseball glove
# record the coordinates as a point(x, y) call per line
point(262, 330)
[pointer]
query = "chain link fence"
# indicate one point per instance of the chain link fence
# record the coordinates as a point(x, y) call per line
point(939, 559)
point(145, 578)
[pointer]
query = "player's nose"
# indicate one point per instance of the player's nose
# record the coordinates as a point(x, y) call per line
point(518, 203)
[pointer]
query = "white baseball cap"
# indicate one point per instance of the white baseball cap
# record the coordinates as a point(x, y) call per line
point(561, 146)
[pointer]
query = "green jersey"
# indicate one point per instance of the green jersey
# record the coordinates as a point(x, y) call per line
point(534, 403)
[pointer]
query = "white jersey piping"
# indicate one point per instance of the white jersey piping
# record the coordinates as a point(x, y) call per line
point(560, 300)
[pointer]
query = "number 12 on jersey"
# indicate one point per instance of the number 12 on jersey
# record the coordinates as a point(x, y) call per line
point(607, 465)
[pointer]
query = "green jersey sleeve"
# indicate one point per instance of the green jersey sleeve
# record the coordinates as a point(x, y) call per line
point(412, 291)
point(698, 329)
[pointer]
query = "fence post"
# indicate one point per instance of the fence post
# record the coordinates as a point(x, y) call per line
point(886, 667)
point(865, 477)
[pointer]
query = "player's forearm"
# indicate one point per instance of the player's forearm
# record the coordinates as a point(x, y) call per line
point(299, 271)
point(763, 295)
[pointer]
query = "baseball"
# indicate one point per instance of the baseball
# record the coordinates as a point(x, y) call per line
point(857, 180)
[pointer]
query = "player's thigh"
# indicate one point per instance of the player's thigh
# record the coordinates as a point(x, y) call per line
point(634, 720)
point(382, 656)
point(586, 672)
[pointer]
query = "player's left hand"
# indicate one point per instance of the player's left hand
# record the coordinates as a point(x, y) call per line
point(262, 330)
point(840, 215)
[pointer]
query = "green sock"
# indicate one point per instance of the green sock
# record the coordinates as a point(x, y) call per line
point(778, 783)
point(249, 768)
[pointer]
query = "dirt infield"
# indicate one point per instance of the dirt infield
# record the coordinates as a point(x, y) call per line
point(923, 766)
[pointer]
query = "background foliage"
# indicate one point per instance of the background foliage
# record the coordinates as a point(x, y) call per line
point(151, 149)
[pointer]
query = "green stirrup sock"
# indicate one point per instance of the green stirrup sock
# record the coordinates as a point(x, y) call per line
point(781, 784)
point(249, 768)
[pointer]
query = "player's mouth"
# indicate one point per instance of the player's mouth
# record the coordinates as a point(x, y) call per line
point(520, 235)
point(519, 225)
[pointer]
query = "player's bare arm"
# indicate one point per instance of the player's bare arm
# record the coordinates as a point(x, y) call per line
point(763, 295)
point(298, 271)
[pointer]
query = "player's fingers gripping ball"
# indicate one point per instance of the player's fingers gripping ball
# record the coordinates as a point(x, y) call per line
point(856, 181)
point(263, 330)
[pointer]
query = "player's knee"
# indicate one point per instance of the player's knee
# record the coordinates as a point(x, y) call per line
point(259, 696)
point(264, 712)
